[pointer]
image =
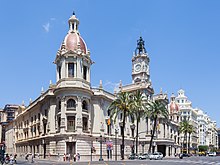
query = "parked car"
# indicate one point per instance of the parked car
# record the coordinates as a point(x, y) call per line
point(156, 156)
point(186, 155)
point(133, 156)
point(212, 153)
point(144, 156)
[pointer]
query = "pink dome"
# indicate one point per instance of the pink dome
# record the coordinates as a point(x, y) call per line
point(72, 40)
point(173, 107)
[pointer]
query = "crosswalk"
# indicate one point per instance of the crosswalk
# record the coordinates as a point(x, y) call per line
point(202, 162)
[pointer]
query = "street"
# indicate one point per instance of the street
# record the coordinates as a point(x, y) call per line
point(166, 161)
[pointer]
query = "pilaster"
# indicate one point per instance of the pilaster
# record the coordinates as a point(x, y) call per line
point(79, 115)
point(63, 116)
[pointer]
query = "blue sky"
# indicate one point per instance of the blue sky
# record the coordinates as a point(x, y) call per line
point(181, 37)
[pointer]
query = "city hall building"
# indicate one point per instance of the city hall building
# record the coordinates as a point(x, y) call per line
point(72, 117)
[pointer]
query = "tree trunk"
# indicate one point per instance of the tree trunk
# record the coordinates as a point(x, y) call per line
point(137, 138)
point(152, 134)
point(123, 138)
point(184, 140)
point(189, 143)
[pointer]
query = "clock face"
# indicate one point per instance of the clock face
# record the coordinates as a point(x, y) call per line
point(137, 67)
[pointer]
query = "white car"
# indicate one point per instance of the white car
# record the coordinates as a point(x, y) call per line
point(144, 156)
point(156, 156)
point(212, 153)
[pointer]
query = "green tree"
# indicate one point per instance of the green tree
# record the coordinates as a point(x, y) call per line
point(156, 109)
point(203, 148)
point(121, 105)
point(185, 127)
point(138, 107)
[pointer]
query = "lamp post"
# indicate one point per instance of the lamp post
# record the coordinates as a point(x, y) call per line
point(101, 159)
point(91, 148)
point(133, 145)
point(116, 132)
point(154, 145)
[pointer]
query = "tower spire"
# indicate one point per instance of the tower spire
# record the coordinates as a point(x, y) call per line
point(140, 47)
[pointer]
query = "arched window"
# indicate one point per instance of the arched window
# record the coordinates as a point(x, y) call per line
point(109, 112)
point(59, 105)
point(84, 105)
point(71, 103)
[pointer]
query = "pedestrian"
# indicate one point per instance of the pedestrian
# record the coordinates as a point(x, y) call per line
point(69, 157)
point(26, 156)
point(58, 156)
point(78, 156)
point(74, 157)
point(15, 156)
point(32, 158)
point(64, 157)
point(11, 159)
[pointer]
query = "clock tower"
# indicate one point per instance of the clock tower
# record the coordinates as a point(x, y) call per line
point(140, 64)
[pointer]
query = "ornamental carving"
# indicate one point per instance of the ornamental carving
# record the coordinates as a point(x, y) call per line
point(79, 98)
point(79, 121)
point(62, 121)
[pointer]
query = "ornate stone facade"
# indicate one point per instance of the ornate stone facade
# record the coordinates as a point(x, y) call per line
point(71, 117)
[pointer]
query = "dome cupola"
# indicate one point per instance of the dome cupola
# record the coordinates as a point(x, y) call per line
point(173, 106)
point(73, 41)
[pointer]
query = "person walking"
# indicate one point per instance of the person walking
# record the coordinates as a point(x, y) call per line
point(78, 156)
point(32, 158)
point(74, 157)
point(64, 157)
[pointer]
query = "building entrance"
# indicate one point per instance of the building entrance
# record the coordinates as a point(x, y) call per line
point(162, 149)
point(70, 149)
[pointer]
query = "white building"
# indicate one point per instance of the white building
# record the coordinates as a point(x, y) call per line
point(208, 133)
point(72, 117)
point(188, 113)
point(204, 129)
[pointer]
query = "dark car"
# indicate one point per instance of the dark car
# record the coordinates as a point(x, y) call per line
point(133, 156)
point(185, 155)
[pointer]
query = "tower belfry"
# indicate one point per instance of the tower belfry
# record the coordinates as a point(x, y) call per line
point(140, 47)
point(73, 58)
point(140, 64)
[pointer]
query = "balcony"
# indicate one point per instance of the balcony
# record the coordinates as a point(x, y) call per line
point(85, 110)
point(71, 109)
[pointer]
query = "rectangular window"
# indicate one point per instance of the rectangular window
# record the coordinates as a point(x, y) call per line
point(84, 72)
point(59, 122)
point(122, 130)
point(132, 132)
point(70, 69)
point(59, 72)
point(46, 112)
point(71, 123)
point(85, 124)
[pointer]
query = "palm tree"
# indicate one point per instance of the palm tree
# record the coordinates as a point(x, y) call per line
point(121, 105)
point(156, 109)
point(190, 131)
point(185, 127)
point(138, 109)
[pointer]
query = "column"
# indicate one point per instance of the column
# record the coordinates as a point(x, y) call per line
point(75, 69)
point(88, 74)
point(63, 116)
point(79, 115)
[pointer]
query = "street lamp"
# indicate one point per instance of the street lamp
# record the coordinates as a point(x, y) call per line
point(116, 132)
point(154, 145)
point(91, 148)
point(101, 141)
point(101, 159)
point(133, 145)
